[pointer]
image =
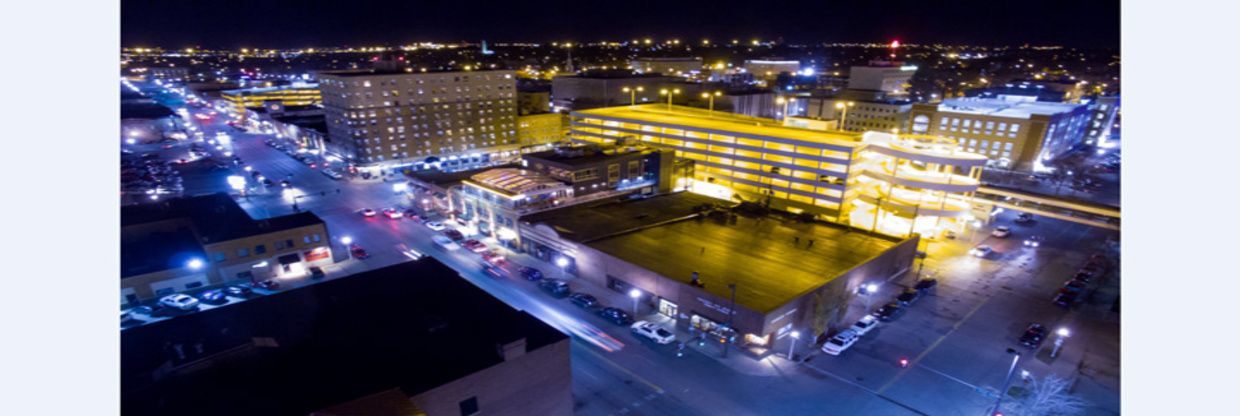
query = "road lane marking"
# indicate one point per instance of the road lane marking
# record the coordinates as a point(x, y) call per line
point(626, 371)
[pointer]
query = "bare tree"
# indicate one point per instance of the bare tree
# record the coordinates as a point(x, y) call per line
point(1048, 397)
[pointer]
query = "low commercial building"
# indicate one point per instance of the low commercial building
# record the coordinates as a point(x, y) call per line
point(670, 66)
point(408, 339)
point(296, 94)
point(594, 89)
point(746, 279)
point(769, 69)
point(185, 243)
point(894, 184)
point(1016, 134)
point(863, 110)
point(889, 77)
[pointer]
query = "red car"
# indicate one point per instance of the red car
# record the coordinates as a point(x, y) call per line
point(492, 257)
point(359, 252)
point(475, 245)
point(392, 213)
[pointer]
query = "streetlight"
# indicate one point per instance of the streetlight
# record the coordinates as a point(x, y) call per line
point(669, 94)
point(632, 94)
point(785, 102)
point(841, 105)
point(867, 290)
point(796, 335)
point(1063, 333)
point(194, 264)
point(635, 294)
point(1007, 382)
point(711, 98)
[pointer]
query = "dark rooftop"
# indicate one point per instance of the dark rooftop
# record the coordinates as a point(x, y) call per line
point(159, 251)
point(216, 217)
point(135, 109)
point(612, 74)
point(759, 255)
point(449, 179)
point(315, 122)
point(411, 326)
point(583, 155)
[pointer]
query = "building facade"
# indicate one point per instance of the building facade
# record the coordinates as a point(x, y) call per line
point(925, 182)
point(892, 79)
point(536, 132)
point(867, 111)
point(1024, 135)
point(680, 66)
point(596, 89)
point(767, 69)
point(398, 118)
point(297, 94)
point(1102, 118)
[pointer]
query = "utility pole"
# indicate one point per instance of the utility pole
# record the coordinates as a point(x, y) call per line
point(731, 319)
point(1007, 382)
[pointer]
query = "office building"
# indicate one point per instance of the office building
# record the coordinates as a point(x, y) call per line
point(1102, 119)
point(191, 242)
point(296, 94)
point(393, 117)
point(867, 110)
point(673, 66)
point(536, 132)
point(413, 338)
point(493, 201)
point(594, 89)
point(1024, 135)
point(889, 77)
point(684, 253)
point(768, 69)
point(875, 181)
point(533, 98)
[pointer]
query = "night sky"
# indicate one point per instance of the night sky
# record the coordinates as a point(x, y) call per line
point(295, 24)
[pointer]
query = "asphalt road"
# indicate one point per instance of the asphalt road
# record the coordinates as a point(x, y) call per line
point(956, 337)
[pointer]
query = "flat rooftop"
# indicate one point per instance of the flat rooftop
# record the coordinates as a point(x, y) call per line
point(1005, 108)
point(216, 217)
point(758, 254)
point(412, 326)
point(723, 121)
point(588, 155)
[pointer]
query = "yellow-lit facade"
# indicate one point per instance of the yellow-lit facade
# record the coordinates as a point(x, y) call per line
point(894, 184)
point(292, 95)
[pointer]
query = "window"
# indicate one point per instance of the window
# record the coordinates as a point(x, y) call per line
point(219, 257)
point(289, 243)
point(260, 249)
point(279, 245)
point(305, 239)
point(1007, 146)
point(469, 406)
point(1015, 128)
point(243, 252)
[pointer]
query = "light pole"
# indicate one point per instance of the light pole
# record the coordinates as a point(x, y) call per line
point(635, 294)
point(1063, 333)
point(791, 345)
point(841, 105)
point(1007, 382)
point(868, 290)
point(711, 99)
point(669, 94)
point(784, 101)
point(633, 94)
point(562, 263)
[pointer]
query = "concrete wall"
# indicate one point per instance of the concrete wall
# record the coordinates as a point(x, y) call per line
point(536, 383)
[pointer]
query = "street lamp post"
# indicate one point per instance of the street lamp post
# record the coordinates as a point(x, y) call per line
point(868, 290)
point(711, 99)
point(1063, 333)
point(635, 294)
point(562, 263)
point(669, 94)
point(844, 116)
point(633, 94)
point(792, 345)
point(1007, 382)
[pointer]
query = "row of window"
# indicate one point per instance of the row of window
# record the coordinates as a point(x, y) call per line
point(412, 79)
point(262, 248)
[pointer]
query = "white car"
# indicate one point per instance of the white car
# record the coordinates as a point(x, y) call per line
point(445, 242)
point(435, 225)
point(1034, 241)
point(1001, 231)
point(654, 332)
point(840, 342)
point(865, 324)
point(367, 212)
point(981, 251)
point(179, 301)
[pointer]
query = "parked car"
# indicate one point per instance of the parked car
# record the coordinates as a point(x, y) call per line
point(392, 213)
point(179, 301)
point(584, 300)
point(530, 273)
point(889, 312)
point(359, 252)
point(453, 234)
point(316, 272)
point(445, 242)
point(557, 288)
point(653, 332)
point(981, 251)
point(411, 214)
point(1024, 217)
point(615, 316)
point(840, 342)
point(494, 258)
point(494, 272)
point(128, 318)
point(238, 291)
point(145, 310)
point(268, 284)
point(926, 284)
point(1001, 231)
point(1033, 335)
point(367, 212)
point(474, 245)
point(213, 296)
point(1065, 299)
point(435, 226)
point(908, 296)
point(332, 174)
point(865, 324)
point(1073, 286)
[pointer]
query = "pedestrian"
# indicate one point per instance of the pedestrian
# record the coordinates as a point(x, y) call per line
point(703, 251)
point(811, 243)
point(796, 239)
